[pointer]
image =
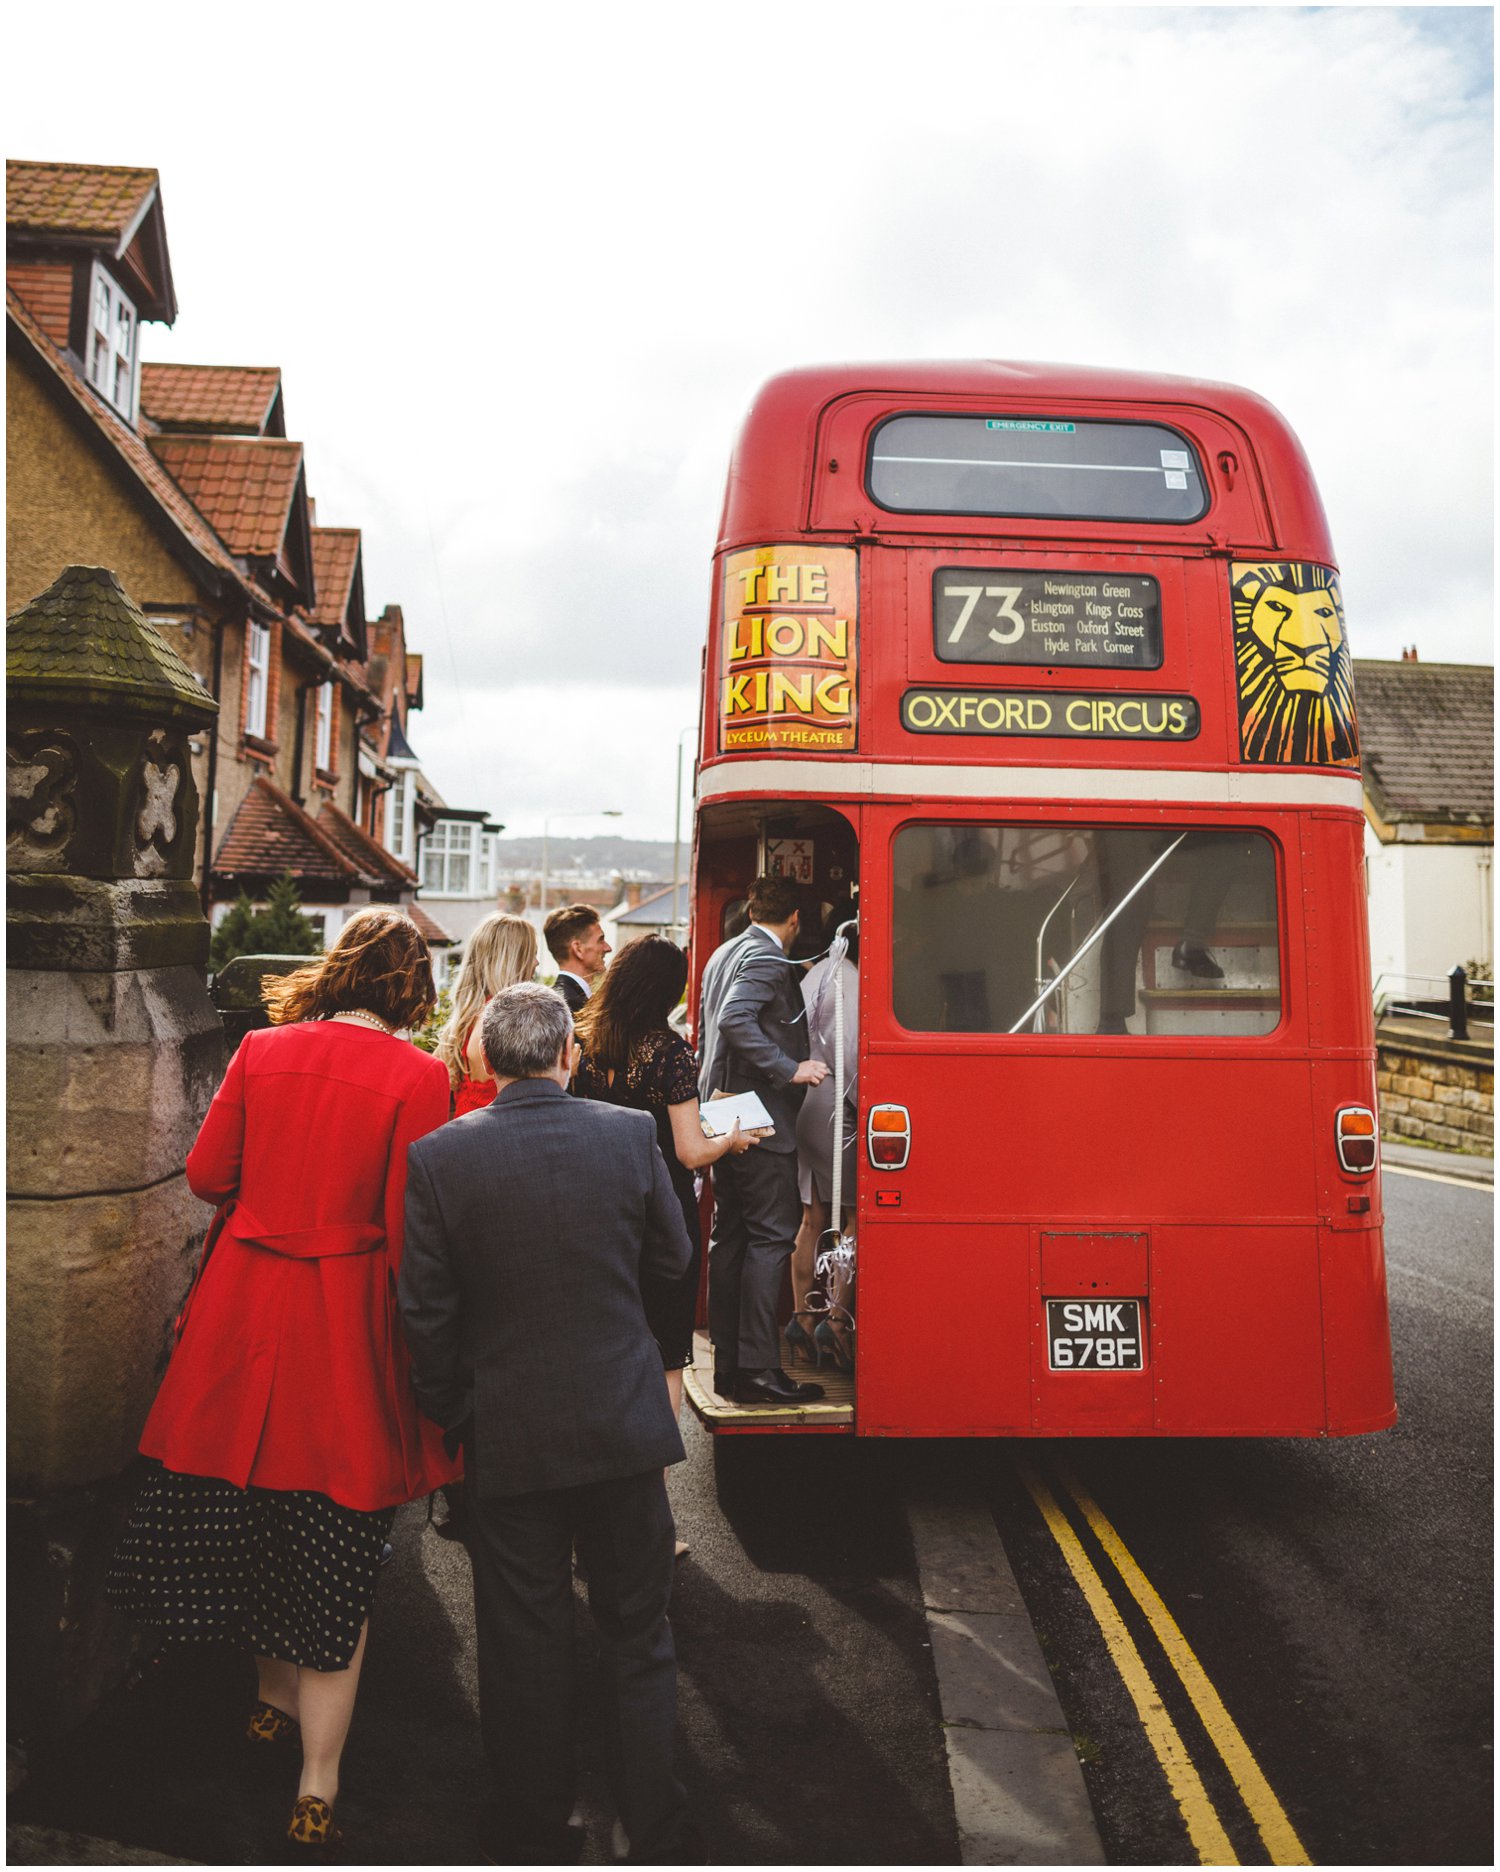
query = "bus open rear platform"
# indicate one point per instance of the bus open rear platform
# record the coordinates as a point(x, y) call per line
point(834, 1414)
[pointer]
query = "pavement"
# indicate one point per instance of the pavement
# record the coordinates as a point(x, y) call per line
point(860, 1684)
point(1438, 1162)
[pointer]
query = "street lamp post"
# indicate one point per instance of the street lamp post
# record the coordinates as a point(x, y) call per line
point(583, 813)
point(677, 824)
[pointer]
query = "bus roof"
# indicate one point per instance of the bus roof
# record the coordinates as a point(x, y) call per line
point(773, 458)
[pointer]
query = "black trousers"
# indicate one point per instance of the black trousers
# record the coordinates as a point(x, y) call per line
point(757, 1212)
point(520, 1547)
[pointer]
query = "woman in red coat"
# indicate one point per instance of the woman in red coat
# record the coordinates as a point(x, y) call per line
point(286, 1428)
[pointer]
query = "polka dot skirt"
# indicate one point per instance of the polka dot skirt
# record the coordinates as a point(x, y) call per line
point(282, 1573)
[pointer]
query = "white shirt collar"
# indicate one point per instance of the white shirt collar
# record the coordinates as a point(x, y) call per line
point(573, 975)
point(773, 936)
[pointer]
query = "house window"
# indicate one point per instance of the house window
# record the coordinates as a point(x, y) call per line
point(257, 678)
point(395, 836)
point(323, 750)
point(486, 884)
point(447, 855)
point(112, 343)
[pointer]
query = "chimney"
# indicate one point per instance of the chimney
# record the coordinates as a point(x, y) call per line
point(1409, 656)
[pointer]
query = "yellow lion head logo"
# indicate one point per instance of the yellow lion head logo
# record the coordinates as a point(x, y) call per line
point(1299, 631)
point(1292, 663)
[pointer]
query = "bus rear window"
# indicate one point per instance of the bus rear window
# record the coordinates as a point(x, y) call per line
point(1036, 467)
point(1068, 929)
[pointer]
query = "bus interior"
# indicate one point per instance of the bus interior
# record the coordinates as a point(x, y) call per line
point(819, 848)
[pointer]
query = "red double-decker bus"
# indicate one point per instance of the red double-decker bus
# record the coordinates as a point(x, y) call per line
point(1046, 668)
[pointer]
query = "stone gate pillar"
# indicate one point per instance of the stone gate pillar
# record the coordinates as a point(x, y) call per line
point(113, 1052)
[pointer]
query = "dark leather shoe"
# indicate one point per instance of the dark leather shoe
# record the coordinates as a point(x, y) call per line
point(774, 1387)
point(1195, 961)
point(726, 1378)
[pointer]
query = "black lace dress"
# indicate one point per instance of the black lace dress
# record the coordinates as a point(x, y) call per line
point(661, 1072)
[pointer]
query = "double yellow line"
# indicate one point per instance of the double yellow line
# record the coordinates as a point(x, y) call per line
point(1205, 1828)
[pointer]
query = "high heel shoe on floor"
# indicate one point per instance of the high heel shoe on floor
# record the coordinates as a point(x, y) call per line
point(802, 1342)
point(311, 1828)
point(829, 1342)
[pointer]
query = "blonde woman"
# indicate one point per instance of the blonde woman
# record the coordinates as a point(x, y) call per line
point(501, 952)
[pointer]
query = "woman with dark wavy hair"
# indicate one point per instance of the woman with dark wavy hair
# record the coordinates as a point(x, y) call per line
point(286, 1433)
point(632, 1057)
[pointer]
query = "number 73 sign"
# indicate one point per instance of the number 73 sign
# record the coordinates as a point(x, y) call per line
point(1005, 597)
point(1002, 614)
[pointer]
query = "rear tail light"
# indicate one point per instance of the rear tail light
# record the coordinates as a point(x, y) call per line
point(889, 1137)
point(1355, 1131)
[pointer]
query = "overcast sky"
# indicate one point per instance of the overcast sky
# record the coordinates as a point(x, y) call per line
point(523, 270)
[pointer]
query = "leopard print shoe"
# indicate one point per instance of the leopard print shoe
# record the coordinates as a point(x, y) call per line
point(270, 1727)
point(312, 1825)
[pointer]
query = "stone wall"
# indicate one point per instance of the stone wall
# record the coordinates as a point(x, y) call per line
point(1434, 1090)
point(113, 1051)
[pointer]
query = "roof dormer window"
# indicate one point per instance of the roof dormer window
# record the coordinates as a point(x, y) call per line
point(112, 344)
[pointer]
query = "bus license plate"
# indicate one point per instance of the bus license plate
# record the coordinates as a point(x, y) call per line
point(1094, 1335)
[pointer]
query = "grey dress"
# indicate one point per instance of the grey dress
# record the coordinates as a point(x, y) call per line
point(815, 1120)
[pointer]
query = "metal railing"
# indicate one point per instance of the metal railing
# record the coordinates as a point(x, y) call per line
point(1459, 994)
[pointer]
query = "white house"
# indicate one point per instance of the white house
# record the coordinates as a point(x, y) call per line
point(1427, 735)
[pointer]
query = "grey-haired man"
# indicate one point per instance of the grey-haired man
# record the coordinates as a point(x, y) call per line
point(528, 1226)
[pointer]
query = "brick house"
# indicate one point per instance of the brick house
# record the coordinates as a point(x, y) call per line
point(183, 480)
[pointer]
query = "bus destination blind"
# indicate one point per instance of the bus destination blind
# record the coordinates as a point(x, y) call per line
point(1088, 620)
point(1129, 715)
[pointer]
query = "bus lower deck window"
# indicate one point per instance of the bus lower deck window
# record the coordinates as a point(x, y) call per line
point(1067, 929)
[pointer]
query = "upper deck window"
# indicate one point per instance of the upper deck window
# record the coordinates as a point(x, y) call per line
point(1038, 467)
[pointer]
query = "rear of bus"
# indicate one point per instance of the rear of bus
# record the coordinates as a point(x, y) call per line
point(1048, 668)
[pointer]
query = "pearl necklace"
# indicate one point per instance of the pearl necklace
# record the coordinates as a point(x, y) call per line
point(364, 1016)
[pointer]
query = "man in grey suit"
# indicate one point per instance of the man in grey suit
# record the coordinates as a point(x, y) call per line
point(528, 1226)
point(752, 1032)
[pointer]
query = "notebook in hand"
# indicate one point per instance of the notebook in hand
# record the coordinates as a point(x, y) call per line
point(719, 1114)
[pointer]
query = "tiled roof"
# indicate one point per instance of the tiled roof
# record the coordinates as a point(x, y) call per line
point(136, 457)
point(47, 287)
point(434, 932)
point(655, 911)
point(83, 638)
point(1427, 737)
point(75, 198)
point(335, 552)
point(270, 833)
point(226, 399)
point(243, 485)
point(365, 853)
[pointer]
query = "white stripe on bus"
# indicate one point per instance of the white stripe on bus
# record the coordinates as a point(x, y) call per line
point(776, 775)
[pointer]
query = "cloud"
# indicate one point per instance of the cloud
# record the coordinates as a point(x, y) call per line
point(533, 749)
point(524, 286)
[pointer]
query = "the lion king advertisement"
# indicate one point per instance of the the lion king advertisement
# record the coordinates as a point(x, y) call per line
point(790, 657)
point(1292, 665)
